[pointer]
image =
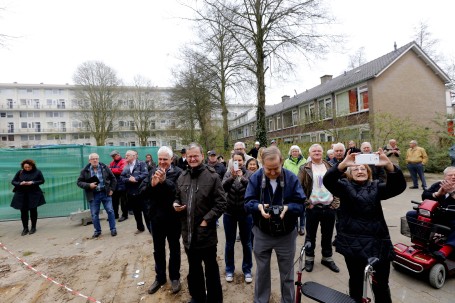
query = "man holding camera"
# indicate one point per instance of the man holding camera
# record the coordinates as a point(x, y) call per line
point(275, 199)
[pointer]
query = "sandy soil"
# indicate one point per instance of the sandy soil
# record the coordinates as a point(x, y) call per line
point(111, 269)
point(108, 269)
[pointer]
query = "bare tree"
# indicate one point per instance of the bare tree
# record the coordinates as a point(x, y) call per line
point(267, 31)
point(223, 56)
point(97, 91)
point(142, 102)
point(194, 101)
point(357, 59)
point(424, 38)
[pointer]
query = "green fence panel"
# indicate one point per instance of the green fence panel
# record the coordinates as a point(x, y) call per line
point(61, 166)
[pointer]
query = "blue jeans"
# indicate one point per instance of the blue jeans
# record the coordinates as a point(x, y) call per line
point(245, 223)
point(414, 170)
point(101, 197)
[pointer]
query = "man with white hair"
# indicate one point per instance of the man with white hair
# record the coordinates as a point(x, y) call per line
point(416, 158)
point(377, 172)
point(339, 150)
point(240, 147)
point(160, 187)
point(99, 183)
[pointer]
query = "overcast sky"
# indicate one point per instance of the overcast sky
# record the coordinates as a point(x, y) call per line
point(143, 37)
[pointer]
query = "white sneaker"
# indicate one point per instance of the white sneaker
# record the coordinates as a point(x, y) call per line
point(229, 277)
point(248, 278)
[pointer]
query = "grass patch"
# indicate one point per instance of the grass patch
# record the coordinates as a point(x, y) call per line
point(27, 253)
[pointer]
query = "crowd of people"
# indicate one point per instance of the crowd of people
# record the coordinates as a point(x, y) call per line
point(266, 201)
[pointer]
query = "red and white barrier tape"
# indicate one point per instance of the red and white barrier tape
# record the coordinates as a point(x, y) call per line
point(74, 292)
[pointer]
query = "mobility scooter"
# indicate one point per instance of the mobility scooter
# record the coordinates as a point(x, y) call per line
point(427, 237)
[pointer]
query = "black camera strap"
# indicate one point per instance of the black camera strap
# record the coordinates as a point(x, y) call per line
point(264, 185)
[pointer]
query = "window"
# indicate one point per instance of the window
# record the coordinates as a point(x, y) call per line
point(153, 143)
point(363, 97)
point(56, 137)
point(325, 108)
point(2, 115)
point(278, 122)
point(24, 125)
point(307, 113)
point(351, 101)
point(54, 114)
point(152, 125)
point(30, 137)
point(29, 114)
point(76, 124)
point(295, 117)
point(271, 124)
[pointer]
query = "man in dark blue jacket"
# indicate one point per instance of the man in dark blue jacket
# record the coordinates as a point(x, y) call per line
point(275, 198)
point(133, 174)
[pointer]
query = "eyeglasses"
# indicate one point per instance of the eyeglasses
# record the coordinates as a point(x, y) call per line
point(94, 158)
point(358, 169)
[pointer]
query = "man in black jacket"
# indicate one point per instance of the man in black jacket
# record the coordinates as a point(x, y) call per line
point(201, 200)
point(98, 181)
point(159, 188)
point(217, 166)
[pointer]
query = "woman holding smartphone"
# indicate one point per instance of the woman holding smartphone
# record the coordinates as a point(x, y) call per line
point(234, 183)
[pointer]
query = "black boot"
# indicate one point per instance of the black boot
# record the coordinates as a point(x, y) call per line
point(24, 232)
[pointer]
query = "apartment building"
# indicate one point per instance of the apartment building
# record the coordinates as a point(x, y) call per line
point(405, 83)
point(49, 114)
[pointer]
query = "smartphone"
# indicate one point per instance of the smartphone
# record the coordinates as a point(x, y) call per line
point(367, 159)
point(235, 164)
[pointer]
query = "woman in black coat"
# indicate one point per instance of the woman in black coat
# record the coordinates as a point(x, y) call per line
point(362, 231)
point(27, 194)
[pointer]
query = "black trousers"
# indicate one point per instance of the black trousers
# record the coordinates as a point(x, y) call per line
point(139, 207)
point(33, 217)
point(169, 228)
point(380, 286)
point(119, 199)
point(196, 282)
point(325, 217)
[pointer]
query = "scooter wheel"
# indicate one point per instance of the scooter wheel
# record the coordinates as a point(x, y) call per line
point(437, 275)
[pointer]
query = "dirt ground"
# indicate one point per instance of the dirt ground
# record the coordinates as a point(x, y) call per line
point(112, 269)
point(108, 269)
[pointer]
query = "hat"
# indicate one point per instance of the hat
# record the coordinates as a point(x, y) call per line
point(273, 141)
point(212, 152)
point(183, 151)
point(257, 143)
point(114, 153)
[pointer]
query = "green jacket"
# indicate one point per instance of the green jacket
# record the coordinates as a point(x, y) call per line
point(294, 166)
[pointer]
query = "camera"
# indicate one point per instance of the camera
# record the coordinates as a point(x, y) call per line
point(235, 165)
point(276, 224)
point(367, 159)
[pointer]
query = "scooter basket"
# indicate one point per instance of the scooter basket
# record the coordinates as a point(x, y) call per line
point(420, 230)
